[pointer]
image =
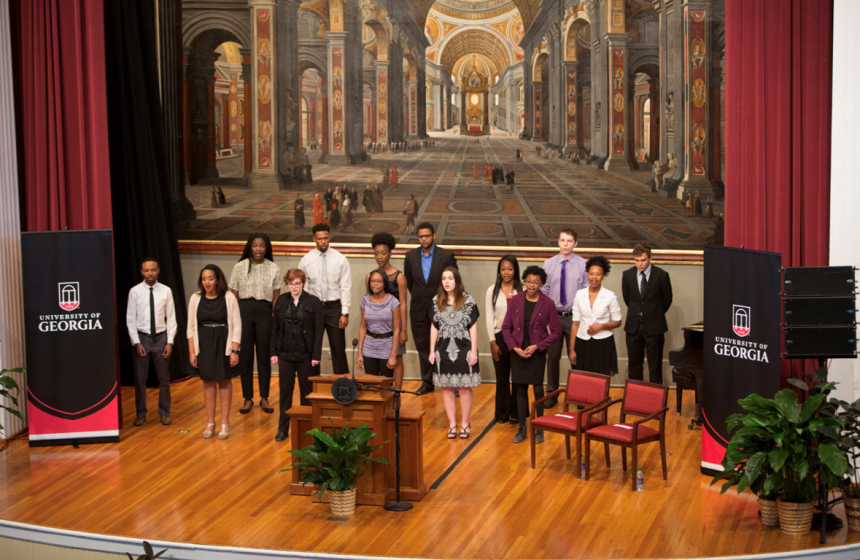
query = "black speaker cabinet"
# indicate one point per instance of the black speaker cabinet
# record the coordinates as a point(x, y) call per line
point(813, 312)
point(817, 342)
point(817, 281)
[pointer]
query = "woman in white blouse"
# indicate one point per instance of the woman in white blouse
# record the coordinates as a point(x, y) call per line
point(595, 313)
point(507, 285)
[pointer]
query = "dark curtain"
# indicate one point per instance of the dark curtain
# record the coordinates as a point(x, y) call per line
point(142, 210)
point(59, 52)
point(778, 110)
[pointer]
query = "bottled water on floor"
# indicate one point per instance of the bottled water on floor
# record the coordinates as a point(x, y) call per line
point(582, 466)
point(640, 480)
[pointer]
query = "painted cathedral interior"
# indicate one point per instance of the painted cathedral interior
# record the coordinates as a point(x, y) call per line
point(616, 106)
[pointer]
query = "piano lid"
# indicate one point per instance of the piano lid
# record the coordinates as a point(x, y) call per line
point(699, 327)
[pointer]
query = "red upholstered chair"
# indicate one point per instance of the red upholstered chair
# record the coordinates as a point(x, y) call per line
point(647, 400)
point(583, 389)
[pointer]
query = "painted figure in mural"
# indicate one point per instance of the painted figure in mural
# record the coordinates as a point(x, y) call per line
point(597, 114)
point(663, 171)
point(286, 166)
point(618, 81)
point(222, 200)
point(699, 141)
point(618, 135)
point(699, 92)
point(475, 171)
point(684, 199)
point(697, 207)
point(698, 56)
point(719, 236)
point(411, 207)
point(339, 195)
point(394, 177)
point(334, 217)
point(353, 200)
point(319, 207)
point(299, 206)
point(321, 29)
point(709, 208)
point(367, 199)
point(328, 197)
point(347, 212)
point(670, 111)
point(377, 199)
point(690, 204)
point(386, 176)
point(214, 198)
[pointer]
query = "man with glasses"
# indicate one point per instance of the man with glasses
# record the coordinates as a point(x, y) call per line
point(330, 280)
point(423, 270)
point(566, 275)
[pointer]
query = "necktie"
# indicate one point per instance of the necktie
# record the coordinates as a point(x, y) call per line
point(151, 313)
point(563, 287)
point(323, 278)
point(642, 285)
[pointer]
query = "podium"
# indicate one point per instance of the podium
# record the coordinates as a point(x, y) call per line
point(376, 409)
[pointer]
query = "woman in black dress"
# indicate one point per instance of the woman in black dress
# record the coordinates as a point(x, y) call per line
point(214, 335)
point(296, 344)
point(300, 211)
point(531, 326)
point(383, 245)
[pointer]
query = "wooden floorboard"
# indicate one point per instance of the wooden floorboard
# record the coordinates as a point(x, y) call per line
point(160, 484)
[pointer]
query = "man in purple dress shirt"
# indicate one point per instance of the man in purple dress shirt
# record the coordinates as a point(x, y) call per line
point(565, 275)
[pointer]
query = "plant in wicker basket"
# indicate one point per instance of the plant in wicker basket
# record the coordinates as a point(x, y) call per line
point(780, 446)
point(336, 461)
point(850, 417)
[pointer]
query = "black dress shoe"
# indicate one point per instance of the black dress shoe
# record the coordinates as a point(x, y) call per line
point(139, 420)
point(424, 389)
point(281, 436)
point(521, 435)
point(538, 436)
point(514, 420)
point(550, 403)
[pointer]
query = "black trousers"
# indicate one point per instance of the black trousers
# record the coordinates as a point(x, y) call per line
point(523, 401)
point(506, 398)
point(421, 336)
point(377, 366)
point(256, 331)
point(639, 346)
point(553, 355)
point(154, 348)
point(336, 338)
point(287, 371)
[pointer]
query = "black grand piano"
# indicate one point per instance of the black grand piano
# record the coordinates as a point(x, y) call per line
point(688, 368)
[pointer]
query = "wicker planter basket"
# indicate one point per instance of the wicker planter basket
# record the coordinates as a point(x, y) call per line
point(795, 519)
point(343, 503)
point(852, 512)
point(769, 512)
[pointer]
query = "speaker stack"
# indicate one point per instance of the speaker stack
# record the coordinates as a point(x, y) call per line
point(820, 315)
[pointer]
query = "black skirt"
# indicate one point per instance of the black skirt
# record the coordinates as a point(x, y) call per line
point(596, 355)
point(528, 371)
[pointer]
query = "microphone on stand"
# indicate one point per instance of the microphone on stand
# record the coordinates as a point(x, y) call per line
point(354, 347)
point(345, 390)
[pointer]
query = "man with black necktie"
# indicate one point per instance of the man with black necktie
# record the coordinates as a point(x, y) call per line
point(647, 292)
point(423, 271)
point(151, 322)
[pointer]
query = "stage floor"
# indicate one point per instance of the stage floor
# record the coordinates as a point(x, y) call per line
point(159, 483)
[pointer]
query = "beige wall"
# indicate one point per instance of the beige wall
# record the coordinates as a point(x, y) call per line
point(687, 285)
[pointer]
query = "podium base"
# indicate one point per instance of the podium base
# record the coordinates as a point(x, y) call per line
point(398, 506)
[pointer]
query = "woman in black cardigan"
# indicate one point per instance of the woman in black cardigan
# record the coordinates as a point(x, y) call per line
point(297, 334)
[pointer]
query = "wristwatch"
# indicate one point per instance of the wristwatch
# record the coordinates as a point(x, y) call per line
point(345, 315)
point(235, 352)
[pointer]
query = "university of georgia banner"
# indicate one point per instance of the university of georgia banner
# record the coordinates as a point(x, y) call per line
point(741, 339)
point(70, 327)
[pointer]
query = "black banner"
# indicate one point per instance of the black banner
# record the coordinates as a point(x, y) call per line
point(741, 338)
point(70, 327)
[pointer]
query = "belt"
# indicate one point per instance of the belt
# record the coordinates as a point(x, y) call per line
point(213, 324)
point(141, 333)
point(565, 313)
point(389, 334)
point(330, 303)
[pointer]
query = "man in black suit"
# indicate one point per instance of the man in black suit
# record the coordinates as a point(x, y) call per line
point(647, 292)
point(423, 270)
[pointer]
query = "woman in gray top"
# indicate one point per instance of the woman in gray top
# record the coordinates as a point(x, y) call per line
point(380, 327)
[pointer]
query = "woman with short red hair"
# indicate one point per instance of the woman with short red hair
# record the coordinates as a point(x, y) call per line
point(297, 334)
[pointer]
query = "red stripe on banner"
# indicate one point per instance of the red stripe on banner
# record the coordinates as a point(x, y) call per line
point(712, 450)
point(42, 423)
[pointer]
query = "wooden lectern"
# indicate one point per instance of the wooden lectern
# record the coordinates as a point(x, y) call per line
point(376, 409)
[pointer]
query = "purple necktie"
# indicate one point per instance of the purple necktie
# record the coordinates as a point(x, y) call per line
point(562, 290)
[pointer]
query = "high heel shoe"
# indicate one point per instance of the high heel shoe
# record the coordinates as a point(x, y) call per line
point(207, 433)
point(466, 431)
point(224, 434)
point(452, 432)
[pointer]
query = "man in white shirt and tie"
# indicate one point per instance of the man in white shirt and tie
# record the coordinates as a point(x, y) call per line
point(329, 279)
point(151, 322)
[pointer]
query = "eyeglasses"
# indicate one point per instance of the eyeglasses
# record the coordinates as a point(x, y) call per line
point(532, 282)
point(295, 284)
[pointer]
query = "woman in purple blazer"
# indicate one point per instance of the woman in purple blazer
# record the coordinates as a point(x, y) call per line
point(526, 334)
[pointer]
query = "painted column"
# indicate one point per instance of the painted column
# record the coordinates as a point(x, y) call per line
point(248, 121)
point(672, 93)
point(287, 97)
point(211, 135)
point(395, 89)
point(464, 125)
point(323, 118)
point(539, 134)
point(265, 78)
point(619, 152)
point(234, 112)
point(421, 99)
point(556, 110)
point(570, 107)
point(382, 100)
point(486, 112)
point(412, 126)
point(697, 71)
point(337, 110)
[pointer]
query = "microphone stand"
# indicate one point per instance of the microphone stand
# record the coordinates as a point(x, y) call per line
point(397, 505)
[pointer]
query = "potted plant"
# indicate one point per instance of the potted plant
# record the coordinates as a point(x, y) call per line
point(781, 445)
point(850, 417)
point(335, 462)
point(7, 385)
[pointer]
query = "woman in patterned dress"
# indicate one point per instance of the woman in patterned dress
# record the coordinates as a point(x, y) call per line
point(454, 348)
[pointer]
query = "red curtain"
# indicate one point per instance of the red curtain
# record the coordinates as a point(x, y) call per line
point(778, 111)
point(61, 59)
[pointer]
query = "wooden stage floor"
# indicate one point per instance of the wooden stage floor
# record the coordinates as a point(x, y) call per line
point(161, 484)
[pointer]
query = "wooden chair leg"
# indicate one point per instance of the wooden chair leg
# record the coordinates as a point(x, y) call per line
point(606, 452)
point(623, 458)
point(587, 457)
point(532, 442)
point(663, 455)
point(679, 397)
point(578, 447)
point(634, 460)
point(567, 446)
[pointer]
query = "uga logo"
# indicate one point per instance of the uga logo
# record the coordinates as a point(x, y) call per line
point(741, 320)
point(70, 295)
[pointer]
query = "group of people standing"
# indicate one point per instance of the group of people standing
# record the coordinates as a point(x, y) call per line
point(530, 318)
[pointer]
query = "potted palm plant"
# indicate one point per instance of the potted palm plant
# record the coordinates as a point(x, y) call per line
point(335, 462)
point(781, 446)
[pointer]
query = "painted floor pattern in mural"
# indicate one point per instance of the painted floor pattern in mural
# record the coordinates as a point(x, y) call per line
point(607, 209)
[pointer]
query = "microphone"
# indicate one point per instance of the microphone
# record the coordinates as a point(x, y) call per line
point(345, 390)
point(354, 347)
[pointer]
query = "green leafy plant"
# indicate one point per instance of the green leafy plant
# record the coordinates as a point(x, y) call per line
point(781, 445)
point(336, 461)
point(7, 385)
point(850, 418)
point(148, 553)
